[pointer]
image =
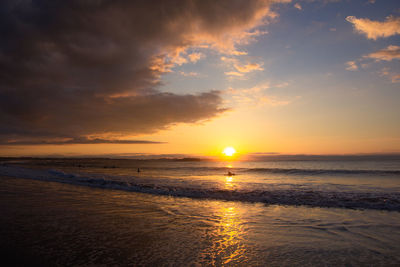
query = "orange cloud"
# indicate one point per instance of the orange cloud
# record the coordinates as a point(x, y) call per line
point(387, 54)
point(189, 74)
point(234, 73)
point(376, 29)
point(298, 6)
point(240, 69)
point(229, 59)
point(194, 57)
point(395, 77)
point(222, 35)
point(248, 67)
point(351, 65)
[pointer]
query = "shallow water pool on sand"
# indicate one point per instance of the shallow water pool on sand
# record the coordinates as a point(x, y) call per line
point(53, 223)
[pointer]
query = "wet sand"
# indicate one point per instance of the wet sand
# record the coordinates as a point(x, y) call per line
point(50, 223)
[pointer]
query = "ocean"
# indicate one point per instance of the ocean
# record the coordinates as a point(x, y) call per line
point(275, 211)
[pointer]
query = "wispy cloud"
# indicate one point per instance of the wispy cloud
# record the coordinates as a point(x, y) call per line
point(194, 57)
point(298, 6)
point(229, 59)
point(248, 67)
point(234, 73)
point(387, 54)
point(351, 65)
point(394, 77)
point(257, 96)
point(392, 52)
point(189, 74)
point(376, 29)
point(240, 69)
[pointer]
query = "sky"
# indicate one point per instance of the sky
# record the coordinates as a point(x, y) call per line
point(191, 77)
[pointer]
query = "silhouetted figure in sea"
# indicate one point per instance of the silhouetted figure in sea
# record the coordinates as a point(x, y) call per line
point(138, 170)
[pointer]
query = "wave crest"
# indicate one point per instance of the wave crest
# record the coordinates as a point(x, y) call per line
point(314, 198)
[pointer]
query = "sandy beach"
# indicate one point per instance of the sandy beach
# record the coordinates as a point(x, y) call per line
point(51, 223)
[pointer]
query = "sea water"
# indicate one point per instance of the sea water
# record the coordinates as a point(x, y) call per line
point(340, 211)
point(348, 182)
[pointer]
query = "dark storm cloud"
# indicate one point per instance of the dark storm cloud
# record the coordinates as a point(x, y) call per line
point(70, 69)
point(82, 141)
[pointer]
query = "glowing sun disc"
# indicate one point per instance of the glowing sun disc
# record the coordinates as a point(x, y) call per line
point(229, 151)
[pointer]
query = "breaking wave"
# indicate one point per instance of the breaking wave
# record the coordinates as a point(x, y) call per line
point(315, 198)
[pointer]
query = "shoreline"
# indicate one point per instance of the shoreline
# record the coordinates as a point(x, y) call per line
point(71, 225)
point(388, 201)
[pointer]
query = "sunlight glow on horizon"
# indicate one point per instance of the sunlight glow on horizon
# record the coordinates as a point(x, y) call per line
point(229, 151)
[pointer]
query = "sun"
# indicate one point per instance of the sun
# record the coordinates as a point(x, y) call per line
point(229, 151)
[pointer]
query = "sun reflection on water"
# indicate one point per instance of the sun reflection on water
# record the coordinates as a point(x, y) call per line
point(227, 243)
point(230, 230)
point(228, 182)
